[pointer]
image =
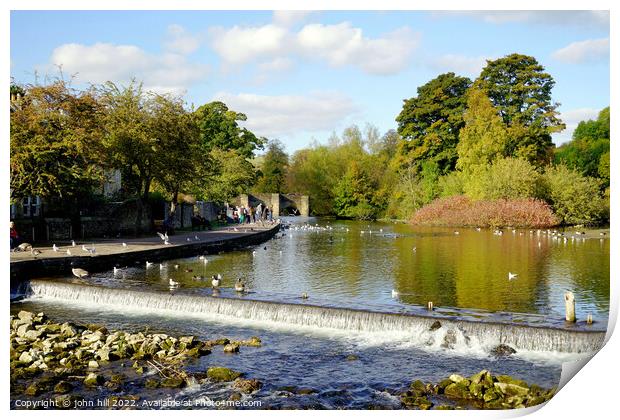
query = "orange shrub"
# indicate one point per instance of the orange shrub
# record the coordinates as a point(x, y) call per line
point(462, 211)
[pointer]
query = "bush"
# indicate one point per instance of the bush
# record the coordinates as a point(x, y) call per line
point(575, 199)
point(451, 184)
point(507, 178)
point(462, 211)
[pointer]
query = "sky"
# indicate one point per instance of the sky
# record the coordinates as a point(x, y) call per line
point(300, 76)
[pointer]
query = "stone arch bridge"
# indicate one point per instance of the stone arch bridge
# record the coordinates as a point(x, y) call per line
point(282, 204)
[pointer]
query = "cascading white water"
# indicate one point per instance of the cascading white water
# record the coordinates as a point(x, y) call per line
point(451, 333)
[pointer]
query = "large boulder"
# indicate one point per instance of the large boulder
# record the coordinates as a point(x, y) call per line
point(222, 374)
point(502, 350)
point(247, 385)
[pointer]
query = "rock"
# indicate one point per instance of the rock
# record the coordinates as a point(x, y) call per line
point(23, 329)
point(490, 395)
point(222, 374)
point(231, 348)
point(221, 341)
point(352, 357)
point(151, 383)
point(93, 364)
point(253, 342)
point(511, 389)
point(457, 390)
point(25, 316)
point(449, 340)
point(458, 379)
point(503, 350)
point(26, 357)
point(172, 383)
point(306, 391)
point(235, 396)
point(435, 326)
point(68, 329)
point(63, 387)
point(510, 380)
point(443, 384)
point(92, 380)
point(418, 386)
point(33, 390)
point(247, 385)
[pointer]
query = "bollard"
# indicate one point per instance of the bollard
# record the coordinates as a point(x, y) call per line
point(569, 301)
point(429, 306)
point(589, 319)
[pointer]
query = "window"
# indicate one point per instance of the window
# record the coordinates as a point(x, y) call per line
point(31, 206)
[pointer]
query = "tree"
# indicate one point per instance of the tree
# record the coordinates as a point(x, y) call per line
point(589, 148)
point(520, 89)
point(55, 142)
point(575, 199)
point(233, 175)
point(180, 166)
point(507, 178)
point(429, 123)
point(484, 137)
point(273, 169)
point(353, 194)
point(219, 129)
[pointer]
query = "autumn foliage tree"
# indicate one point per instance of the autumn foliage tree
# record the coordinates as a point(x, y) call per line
point(56, 148)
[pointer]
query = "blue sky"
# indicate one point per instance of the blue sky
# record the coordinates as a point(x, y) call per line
point(301, 75)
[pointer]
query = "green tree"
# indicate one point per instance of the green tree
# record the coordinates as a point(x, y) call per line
point(180, 166)
point(233, 175)
point(219, 128)
point(587, 150)
point(273, 169)
point(55, 142)
point(430, 122)
point(353, 194)
point(484, 137)
point(520, 89)
point(507, 178)
point(575, 199)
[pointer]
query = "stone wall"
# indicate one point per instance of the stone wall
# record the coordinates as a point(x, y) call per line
point(207, 209)
point(182, 215)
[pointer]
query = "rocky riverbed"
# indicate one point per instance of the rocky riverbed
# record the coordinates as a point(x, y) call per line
point(65, 363)
point(482, 390)
point(68, 365)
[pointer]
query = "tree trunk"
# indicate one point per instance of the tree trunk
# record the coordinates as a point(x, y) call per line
point(141, 204)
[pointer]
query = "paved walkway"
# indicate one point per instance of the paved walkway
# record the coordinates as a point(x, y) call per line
point(109, 247)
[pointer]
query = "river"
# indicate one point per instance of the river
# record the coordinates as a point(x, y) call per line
point(373, 268)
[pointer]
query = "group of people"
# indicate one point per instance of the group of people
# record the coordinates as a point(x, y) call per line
point(251, 214)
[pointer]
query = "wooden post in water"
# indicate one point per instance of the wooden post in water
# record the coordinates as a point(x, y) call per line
point(429, 306)
point(569, 301)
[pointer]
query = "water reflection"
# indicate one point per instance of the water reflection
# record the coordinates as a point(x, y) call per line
point(357, 264)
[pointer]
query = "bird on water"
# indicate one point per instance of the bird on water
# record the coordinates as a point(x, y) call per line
point(512, 276)
point(173, 283)
point(239, 285)
point(216, 280)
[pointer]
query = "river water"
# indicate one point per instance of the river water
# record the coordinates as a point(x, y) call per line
point(377, 267)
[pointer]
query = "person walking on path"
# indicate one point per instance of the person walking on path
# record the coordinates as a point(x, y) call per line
point(14, 235)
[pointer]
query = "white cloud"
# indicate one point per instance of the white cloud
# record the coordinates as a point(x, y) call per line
point(289, 17)
point(276, 65)
point(572, 118)
point(239, 45)
point(284, 115)
point(460, 64)
point(103, 62)
point(583, 51)
point(598, 19)
point(180, 41)
point(342, 45)
point(339, 45)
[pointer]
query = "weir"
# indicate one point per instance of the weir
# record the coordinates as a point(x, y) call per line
point(418, 329)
